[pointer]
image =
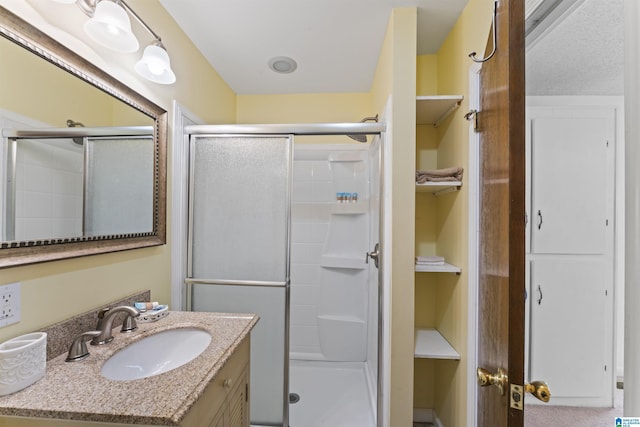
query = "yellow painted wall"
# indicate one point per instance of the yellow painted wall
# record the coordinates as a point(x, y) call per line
point(395, 83)
point(55, 291)
point(306, 108)
point(447, 294)
point(427, 75)
point(24, 76)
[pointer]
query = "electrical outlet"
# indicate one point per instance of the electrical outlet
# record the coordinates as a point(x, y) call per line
point(9, 304)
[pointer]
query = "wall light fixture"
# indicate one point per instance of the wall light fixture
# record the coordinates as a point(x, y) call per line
point(109, 26)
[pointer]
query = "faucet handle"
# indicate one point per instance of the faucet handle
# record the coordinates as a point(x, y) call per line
point(129, 323)
point(101, 315)
point(78, 349)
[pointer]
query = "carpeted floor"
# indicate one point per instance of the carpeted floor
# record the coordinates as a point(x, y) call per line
point(564, 416)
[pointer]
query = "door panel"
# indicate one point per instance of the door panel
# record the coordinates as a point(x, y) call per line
point(501, 294)
point(117, 176)
point(240, 207)
point(569, 340)
point(268, 343)
point(569, 168)
point(239, 227)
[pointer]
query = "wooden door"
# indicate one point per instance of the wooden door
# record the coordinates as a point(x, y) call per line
point(501, 297)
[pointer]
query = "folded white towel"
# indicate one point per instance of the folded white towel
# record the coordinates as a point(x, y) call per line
point(430, 260)
point(439, 175)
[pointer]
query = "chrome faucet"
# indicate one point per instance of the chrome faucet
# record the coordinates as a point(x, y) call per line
point(105, 323)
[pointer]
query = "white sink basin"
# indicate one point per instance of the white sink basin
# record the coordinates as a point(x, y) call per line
point(156, 354)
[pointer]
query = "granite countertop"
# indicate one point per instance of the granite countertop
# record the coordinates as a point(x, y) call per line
point(77, 390)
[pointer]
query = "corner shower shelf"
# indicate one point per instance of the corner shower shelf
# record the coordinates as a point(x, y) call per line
point(357, 208)
point(347, 156)
point(433, 110)
point(342, 262)
point(438, 188)
point(446, 268)
point(430, 344)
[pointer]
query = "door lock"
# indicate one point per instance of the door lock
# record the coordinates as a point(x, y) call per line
point(539, 389)
point(499, 379)
point(375, 255)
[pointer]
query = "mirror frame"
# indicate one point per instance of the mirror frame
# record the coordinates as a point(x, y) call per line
point(17, 253)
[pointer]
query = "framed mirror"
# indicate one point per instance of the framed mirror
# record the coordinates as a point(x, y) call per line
point(82, 156)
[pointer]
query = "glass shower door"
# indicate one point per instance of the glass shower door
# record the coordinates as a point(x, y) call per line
point(239, 251)
point(117, 171)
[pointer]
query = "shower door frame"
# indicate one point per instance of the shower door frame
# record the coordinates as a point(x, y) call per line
point(191, 281)
point(314, 129)
point(11, 137)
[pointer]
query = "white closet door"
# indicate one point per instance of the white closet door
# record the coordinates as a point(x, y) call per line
point(570, 327)
point(571, 182)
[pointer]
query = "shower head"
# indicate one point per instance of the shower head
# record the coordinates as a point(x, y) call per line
point(363, 138)
point(74, 124)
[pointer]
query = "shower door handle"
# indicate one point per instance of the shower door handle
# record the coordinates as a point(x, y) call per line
point(375, 255)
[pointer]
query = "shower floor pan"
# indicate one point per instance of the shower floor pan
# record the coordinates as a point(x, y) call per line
point(332, 394)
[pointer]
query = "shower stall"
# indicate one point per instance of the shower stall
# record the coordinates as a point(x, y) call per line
point(57, 183)
point(288, 231)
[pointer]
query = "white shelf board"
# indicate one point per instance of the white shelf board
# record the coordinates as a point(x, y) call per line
point(432, 110)
point(348, 208)
point(430, 344)
point(438, 188)
point(446, 268)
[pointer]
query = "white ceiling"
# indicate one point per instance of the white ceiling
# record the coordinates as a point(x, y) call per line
point(336, 43)
point(582, 55)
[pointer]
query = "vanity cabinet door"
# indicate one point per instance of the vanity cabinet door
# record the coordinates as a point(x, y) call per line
point(226, 391)
point(235, 412)
point(239, 403)
point(220, 420)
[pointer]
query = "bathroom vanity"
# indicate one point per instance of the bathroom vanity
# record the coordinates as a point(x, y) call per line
point(210, 390)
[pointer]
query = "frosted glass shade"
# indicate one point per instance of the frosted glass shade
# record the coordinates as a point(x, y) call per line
point(65, 1)
point(110, 27)
point(155, 65)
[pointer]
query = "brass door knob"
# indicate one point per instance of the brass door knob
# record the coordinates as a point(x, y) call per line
point(539, 389)
point(499, 379)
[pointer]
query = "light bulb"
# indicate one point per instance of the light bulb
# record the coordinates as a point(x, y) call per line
point(110, 27)
point(156, 67)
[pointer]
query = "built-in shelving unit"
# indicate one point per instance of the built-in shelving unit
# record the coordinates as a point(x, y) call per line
point(433, 110)
point(430, 344)
point(445, 268)
point(438, 188)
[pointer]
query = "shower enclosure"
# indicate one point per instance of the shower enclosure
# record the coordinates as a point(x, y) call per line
point(287, 231)
point(334, 289)
point(54, 185)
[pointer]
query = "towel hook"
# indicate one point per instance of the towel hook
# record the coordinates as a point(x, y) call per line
point(494, 30)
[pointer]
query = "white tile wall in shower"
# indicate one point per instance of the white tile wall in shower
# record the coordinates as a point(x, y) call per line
point(308, 229)
point(316, 180)
point(48, 190)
